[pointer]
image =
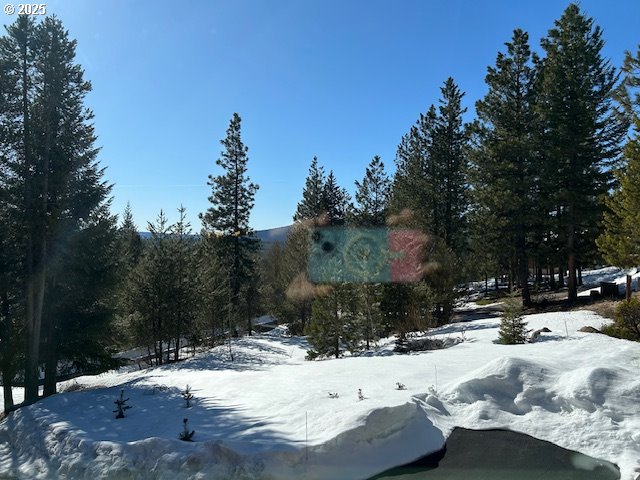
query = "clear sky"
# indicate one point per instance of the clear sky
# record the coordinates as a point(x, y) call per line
point(340, 79)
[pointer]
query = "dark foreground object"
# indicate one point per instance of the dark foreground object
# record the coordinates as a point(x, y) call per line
point(502, 455)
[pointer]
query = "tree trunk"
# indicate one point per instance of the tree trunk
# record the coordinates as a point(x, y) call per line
point(573, 283)
point(628, 290)
point(522, 263)
point(560, 276)
point(31, 373)
point(497, 287)
point(7, 392)
point(486, 284)
point(7, 357)
point(51, 361)
point(579, 275)
point(552, 277)
point(538, 274)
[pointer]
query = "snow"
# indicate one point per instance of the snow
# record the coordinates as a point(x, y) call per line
point(267, 413)
point(609, 274)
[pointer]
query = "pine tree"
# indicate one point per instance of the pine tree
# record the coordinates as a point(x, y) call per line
point(213, 293)
point(513, 328)
point(581, 132)
point(80, 290)
point(299, 290)
point(130, 240)
point(505, 165)
point(449, 159)
point(336, 322)
point(232, 200)
point(129, 252)
point(152, 290)
point(121, 405)
point(11, 324)
point(277, 277)
point(186, 435)
point(184, 296)
point(372, 195)
point(56, 184)
point(188, 396)
point(620, 241)
point(415, 182)
point(312, 204)
point(336, 201)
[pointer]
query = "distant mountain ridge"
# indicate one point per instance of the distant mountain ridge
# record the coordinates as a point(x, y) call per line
point(268, 236)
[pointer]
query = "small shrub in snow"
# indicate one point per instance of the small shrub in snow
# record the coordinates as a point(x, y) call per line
point(360, 395)
point(513, 328)
point(400, 386)
point(188, 396)
point(628, 319)
point(311, 355)
point(120, 405)
point(186, 435)
point(333, 395)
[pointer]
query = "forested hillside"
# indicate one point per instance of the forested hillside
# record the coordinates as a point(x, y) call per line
point(536, 181)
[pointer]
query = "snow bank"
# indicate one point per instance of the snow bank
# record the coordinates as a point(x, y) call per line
point(267, 413)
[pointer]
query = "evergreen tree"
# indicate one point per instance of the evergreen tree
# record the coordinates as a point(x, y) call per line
point(184, 296)
point(505, 165)
point(213, 294)
point(129, 252)
point(56, 184)
point(232, 200)
point(80, 289)
point(130, 240)
point(152, 291)
point(336, 201)
point(312, 204)
point(275, 283)
point(620, 241)
point(449, 159)
point(11, 322)
point(415, 182)
point(372, 195)
point(581, 132)
point(299, 291)
point(336, 322)
point(513, 328)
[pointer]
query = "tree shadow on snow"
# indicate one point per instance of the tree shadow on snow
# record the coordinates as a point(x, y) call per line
point(158, 412)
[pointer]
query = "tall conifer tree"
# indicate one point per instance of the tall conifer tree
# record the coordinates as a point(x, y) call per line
point(312, 203)
point(620, 241)
point(505, 166)
point(582, 135)
point(232, 199)
point(56, 184)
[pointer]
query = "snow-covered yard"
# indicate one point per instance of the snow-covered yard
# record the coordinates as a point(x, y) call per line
point(268, 414)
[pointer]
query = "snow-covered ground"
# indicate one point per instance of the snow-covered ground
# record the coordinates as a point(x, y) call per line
point(267, 414)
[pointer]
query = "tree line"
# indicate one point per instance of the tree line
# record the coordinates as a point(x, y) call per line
point(544, 180)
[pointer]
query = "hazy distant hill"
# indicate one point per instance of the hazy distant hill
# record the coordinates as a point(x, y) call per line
point(274, 235)
point(268, 237)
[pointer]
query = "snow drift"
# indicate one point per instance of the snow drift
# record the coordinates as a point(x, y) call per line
point(268, 415)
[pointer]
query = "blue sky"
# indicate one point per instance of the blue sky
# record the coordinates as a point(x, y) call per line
point(343, 80)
